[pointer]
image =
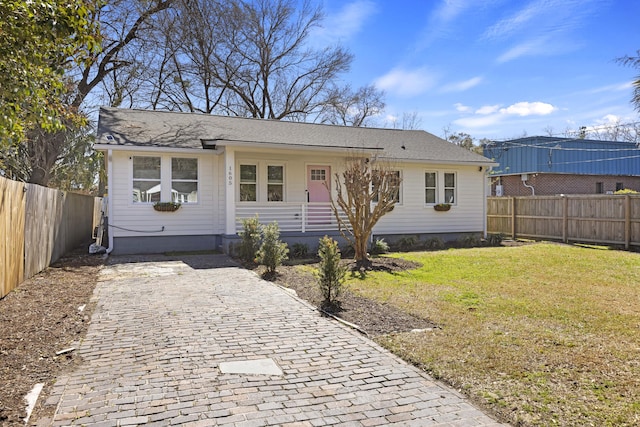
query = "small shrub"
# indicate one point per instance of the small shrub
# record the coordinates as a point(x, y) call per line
point(379, 247)
point(626, 191)
point(272, 251)
point(469, 241)
point(434, 244)
point(250, 242)
point(299, 250)
point(331, 272)
point(494, 239)
point(407, 243)
point(348, 250)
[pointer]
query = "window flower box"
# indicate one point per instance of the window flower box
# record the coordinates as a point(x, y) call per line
point(442, 207)
point(166, 206)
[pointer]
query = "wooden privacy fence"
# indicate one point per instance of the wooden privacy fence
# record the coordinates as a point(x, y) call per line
point(606, 219)
point(37, 226)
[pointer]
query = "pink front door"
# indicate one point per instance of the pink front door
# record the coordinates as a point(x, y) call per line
point(318, 186)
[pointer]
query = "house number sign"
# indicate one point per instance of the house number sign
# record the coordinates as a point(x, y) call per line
point(230, 176)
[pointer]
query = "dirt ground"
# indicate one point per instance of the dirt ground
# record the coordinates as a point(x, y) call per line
point(51, 311)
point(46, 314)
point(371, 317)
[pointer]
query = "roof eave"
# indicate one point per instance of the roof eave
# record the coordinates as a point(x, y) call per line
point(487, 163)
point(154, 148)
point(207, 143)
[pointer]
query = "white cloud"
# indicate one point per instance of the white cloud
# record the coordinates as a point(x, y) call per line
point(463, 85)
point(611, 88)
point(489, 115)
point(487, 109)
point(514, 23)
point(405, 82)
point(543, 16)
point(531, 47)
point(347, 22)
point(461, 107)
point(542, 27)
point(529, 109)
point(449, 10)
point(610, 119)
point(479, 122)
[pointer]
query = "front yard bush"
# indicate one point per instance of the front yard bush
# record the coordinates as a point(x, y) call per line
point(272, 251)
point(331, 273)
point(299, 250)
point(250, 242)
point(379, 247)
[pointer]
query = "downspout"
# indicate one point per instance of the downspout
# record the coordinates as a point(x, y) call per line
point(109, 199)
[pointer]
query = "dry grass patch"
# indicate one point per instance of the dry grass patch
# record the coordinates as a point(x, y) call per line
point(544, 334)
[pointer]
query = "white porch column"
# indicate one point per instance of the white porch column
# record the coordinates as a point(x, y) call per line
point(230, 192)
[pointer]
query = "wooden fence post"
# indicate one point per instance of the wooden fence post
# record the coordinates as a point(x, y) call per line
point(627, 221)
point(513, 218)
point(565, 218)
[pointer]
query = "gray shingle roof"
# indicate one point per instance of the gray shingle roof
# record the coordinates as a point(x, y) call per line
point(145, 128)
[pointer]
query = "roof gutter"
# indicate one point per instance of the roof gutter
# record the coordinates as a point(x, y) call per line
point(155, 148)
point(487, 164)
point(210, 143)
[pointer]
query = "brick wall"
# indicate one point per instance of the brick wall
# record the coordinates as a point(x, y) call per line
point(552, 184)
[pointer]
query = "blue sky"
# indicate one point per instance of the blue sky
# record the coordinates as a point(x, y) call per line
point(495, 68)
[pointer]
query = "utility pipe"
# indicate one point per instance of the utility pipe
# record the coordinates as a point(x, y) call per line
point(533, 190)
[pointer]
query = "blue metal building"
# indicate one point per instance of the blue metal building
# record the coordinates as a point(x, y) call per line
point(563, 165)
point(540, 154)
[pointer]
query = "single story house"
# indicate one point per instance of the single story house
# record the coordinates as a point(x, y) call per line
point(543, 166)
point(223, 169)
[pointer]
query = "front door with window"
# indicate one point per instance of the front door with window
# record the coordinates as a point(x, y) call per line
point(318, 187)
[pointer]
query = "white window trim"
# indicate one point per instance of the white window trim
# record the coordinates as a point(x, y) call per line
point(240, 182)
point(132, 179)
point(455, 187)
point(284, 182)
point(436, 188)
point(262, 180)
point(165, 178)
point(197, 180)
point(400, 190)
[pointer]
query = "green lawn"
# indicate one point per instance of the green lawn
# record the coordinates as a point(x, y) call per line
point(543, 333)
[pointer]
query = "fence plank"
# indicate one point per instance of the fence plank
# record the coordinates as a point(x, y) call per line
point(42, 208)
point(12, 209)
point(37, 226)
point(609, 219)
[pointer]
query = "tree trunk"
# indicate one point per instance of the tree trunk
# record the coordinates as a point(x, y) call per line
point(44, 149)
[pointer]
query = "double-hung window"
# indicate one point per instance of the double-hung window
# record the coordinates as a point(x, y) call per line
point(431, 188)
point(184, 180)
point(146, 179)
point(248, 183)
point(395, 183)
point(262, 182)
point(275, 183)
point(450, 187)
point(152, 174)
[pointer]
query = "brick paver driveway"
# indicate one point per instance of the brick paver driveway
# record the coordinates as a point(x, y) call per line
point(162, 330)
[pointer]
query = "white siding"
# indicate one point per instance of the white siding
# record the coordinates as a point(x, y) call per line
point(295, 171)
point(414, 216)
point(140, 219)
point(411, 216)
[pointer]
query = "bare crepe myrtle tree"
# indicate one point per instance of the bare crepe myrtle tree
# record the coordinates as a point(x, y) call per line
point(365, 191)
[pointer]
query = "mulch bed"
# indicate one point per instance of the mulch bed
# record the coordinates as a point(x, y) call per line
point(45, 314)
point(371, 317)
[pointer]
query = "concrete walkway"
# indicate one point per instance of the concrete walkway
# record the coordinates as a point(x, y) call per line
point(163, 332)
